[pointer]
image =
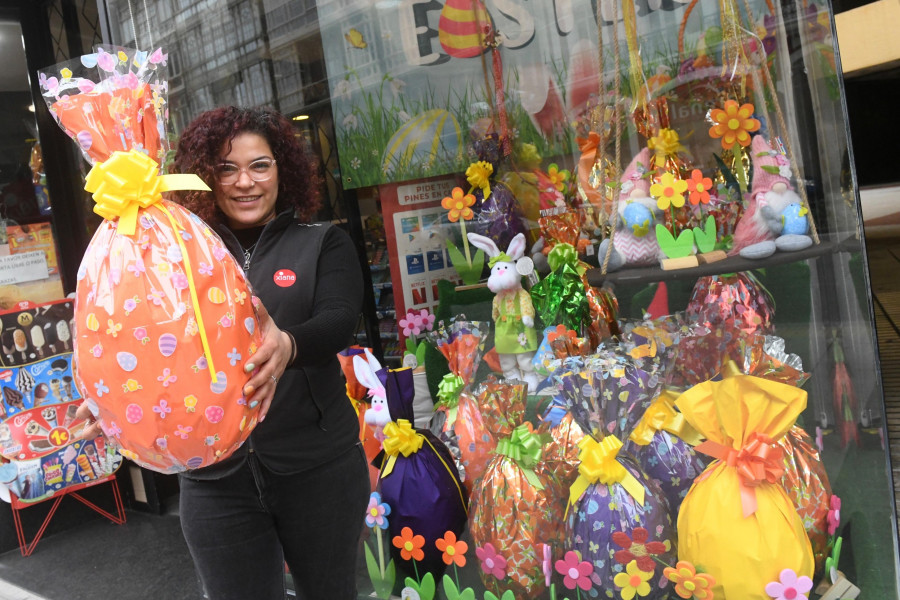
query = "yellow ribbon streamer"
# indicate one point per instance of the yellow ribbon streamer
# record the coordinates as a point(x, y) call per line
point(662, 416)
point(599, 465)
point(129, 181)
point(400, 438)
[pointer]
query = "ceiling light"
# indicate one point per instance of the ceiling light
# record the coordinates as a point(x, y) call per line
point(31, 108)
point(301, 117)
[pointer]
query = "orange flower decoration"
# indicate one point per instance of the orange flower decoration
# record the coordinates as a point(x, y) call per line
point(410, 545)
point(561, 331)
point(699, 187)
point(458, 203)
point(689, 583)
point(454, 551)
point(733, 124)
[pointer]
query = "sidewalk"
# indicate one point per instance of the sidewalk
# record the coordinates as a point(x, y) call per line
point(10, 592)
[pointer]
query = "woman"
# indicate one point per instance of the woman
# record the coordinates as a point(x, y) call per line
point(297, 490)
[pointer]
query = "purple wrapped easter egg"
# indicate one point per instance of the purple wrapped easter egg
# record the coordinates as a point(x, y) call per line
point(671, 462)
point(498, 216)
point(611, 529)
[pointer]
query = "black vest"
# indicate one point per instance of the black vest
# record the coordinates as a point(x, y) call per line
point(311, 419)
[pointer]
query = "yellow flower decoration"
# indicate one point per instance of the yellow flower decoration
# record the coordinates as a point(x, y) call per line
point(557, 178)
point(66, 73)
point(669, 191)
point(733, 124)
point(665, 143)
point(478, 175)
point(122, 56)
point(458, 204)
point(633, 581)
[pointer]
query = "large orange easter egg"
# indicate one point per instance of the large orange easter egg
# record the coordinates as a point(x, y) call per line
point(462, 27)
point(147, 300)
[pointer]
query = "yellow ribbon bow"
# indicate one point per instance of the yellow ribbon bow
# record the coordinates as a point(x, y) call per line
point(400, 438)
point(478, 175)
point(128, 181)
point(599, 465)
point(662, 416)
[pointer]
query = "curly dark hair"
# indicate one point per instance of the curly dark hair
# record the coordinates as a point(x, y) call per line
point(202, 142)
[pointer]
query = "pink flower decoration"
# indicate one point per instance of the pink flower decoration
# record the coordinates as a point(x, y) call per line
point(834, 515)
point(410, 324)
point(491, 562)
point(377, 512)
point(547, 564)
point(576, 572)
point(789, 586)
point(427, 319)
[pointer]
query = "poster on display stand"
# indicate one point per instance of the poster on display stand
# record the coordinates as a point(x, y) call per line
point(416, 230)
point(39, 434)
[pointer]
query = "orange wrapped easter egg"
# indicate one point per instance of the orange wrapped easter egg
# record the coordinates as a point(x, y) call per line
point(164, 325)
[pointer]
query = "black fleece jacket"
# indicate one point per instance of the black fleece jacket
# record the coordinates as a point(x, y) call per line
point(309, 279)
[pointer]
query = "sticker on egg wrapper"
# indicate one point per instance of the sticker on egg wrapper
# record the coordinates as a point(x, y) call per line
point(214, 414)
point(167, 344)
point(127, 361)
point(216, 296)
point(250, 324)
point(218, 386)
point(134, 413)
point(174, 254)
point(92, 322)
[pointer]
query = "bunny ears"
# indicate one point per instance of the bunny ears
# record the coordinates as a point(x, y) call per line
point(366, 371)
point(514, 252)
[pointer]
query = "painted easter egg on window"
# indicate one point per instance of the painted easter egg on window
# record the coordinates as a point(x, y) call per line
point(428, 138)
point(462, 28)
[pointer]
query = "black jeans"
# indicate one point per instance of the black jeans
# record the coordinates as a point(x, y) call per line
point(241, 529)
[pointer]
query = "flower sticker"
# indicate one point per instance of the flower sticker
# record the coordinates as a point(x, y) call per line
point(576, 572)
point(454, 551)
point(410, 545)
point(491, 562)
point(669, 191)
point(733, 124)
point(412, 324)
point(557, 177)
point(699, 187)
point(688, 582)
point(459, 203)
point(637, 548)
point(789, 586)
point(377, 512)
point(634, 581)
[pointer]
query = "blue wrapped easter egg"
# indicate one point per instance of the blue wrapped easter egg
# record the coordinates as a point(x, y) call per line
point(794, 220)
point(637, 219)
point(429, 138)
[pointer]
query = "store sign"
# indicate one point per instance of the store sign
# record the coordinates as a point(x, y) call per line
point(409, 78)
point(19, 268)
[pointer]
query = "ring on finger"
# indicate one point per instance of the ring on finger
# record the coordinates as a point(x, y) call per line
point(274, 379)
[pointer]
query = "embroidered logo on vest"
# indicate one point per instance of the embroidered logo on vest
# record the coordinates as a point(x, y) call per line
point(284, 278)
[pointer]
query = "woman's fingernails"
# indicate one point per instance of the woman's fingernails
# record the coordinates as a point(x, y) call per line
point(249, 367)
point(248, 390)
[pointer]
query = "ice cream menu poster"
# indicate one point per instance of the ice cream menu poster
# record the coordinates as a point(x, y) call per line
point(38, 399)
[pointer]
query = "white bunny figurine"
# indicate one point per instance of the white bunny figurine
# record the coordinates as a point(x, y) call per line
point(377, 414)
point(514, 335)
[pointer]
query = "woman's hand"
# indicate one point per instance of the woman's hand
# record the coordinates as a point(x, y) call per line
point(269, 362)
point(92, 428)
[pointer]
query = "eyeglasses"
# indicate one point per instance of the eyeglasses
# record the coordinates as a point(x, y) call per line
point(259, 170)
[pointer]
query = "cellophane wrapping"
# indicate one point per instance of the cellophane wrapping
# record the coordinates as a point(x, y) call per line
point(147, 299)
point(743, 532)
point(606, 396)
point(512, 509)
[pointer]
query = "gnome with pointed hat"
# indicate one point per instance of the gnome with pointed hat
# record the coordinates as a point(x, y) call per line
point(634, 243)
point(775, 217)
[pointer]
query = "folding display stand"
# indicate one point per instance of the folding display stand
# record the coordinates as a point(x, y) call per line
point(26, 548)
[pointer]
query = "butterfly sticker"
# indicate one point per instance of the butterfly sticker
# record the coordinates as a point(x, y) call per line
point(355, 39)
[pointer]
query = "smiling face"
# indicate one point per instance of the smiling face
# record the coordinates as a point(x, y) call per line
point(247, 203)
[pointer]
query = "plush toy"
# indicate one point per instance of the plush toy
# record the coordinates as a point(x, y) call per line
point(634, 242)
point(775, 217)
point(367, 373)
point(514, 335)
